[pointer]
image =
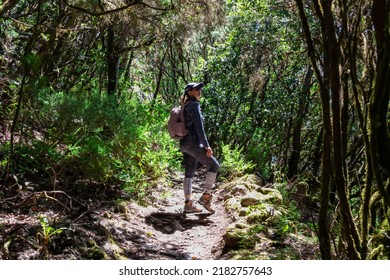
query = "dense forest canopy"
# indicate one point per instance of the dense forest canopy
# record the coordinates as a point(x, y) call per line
point(296, 91)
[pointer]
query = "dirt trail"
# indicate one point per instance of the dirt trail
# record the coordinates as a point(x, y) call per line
point(104, 229)
point(192, 236)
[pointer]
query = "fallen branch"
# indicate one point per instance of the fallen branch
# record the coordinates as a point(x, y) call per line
point(49, 195)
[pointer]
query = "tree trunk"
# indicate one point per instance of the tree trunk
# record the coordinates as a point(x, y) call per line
point(296, 146)
point(332, 65)
point(323, 223)
point(159, 79)
point(112, 61)
point(379, 101)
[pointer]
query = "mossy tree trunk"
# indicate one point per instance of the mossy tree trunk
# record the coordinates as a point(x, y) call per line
point(334, 96)
point(29, 74)
point(379, 101)
point(323, 223)
point(332, 65)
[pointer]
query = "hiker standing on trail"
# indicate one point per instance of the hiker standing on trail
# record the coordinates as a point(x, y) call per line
point(195, 148)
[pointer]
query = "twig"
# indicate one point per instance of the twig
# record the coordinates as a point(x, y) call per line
point(45, 194)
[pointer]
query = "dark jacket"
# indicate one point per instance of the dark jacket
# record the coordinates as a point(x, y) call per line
point(194, 124)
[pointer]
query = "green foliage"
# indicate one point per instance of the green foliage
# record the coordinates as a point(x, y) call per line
point(251, 56)
point(260, 150)
point(32, 63)
point(253, 90)
point(44, 237)
point(233, 163)
point(95, 139)
point(36, 159)
point(4, 151)
point(251, 238)
point(47, 230)
point(289, 221)
point(275, 223)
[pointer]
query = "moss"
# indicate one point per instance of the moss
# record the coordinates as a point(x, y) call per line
point(377, 253)
point(301, 187)
point(121, 208)
point(234, 235)
point(233, 203)
point(96, 253)
point(245, 254)
point(258, 216)
point(273, 196)
point(252, 198)
point(91, 243)
point(375, 199)
point(114, 250)
point(250, 181)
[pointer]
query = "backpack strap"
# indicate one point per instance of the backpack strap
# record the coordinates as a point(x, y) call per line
point(183, 106)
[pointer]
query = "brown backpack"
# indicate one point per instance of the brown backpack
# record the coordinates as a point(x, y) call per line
point(176, 123)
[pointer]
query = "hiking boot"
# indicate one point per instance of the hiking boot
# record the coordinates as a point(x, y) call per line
point(189, 208)
point(205, 201)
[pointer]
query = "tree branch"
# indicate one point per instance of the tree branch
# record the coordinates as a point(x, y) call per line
point(7, 5)
point(92, 13)
point(102, 13)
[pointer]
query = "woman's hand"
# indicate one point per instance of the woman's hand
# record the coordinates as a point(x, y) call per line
point(209, 152)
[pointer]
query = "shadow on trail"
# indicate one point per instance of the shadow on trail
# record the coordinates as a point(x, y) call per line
point(169, 222)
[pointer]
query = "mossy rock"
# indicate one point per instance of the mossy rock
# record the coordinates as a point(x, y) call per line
point(252, 178)
point(254, 198)
point(250, 181)
point(112, 249)
point(257, 216)
point(239, 190)
point(243, 211)
point(271, 195)
point(233, 203)
point(250, 254)
point(96, 253)
point(275, 196)
point(227, 197)
point(121, 208)
point(265, 214)
point(234, 234)
point(240, 225)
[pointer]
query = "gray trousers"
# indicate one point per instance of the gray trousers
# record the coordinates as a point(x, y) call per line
point(193, 153)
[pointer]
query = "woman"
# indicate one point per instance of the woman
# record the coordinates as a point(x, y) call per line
point(196, 148)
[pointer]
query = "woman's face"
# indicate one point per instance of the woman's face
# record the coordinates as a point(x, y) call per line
point(196, 93)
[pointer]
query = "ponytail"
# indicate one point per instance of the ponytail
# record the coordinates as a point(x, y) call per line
point(185, 98)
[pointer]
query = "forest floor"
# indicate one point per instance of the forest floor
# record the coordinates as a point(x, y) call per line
point(54, 225)
point(107, 223)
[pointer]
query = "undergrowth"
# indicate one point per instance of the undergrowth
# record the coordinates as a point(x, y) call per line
point(234, 163)
point(93, 139)
point(284, 234)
